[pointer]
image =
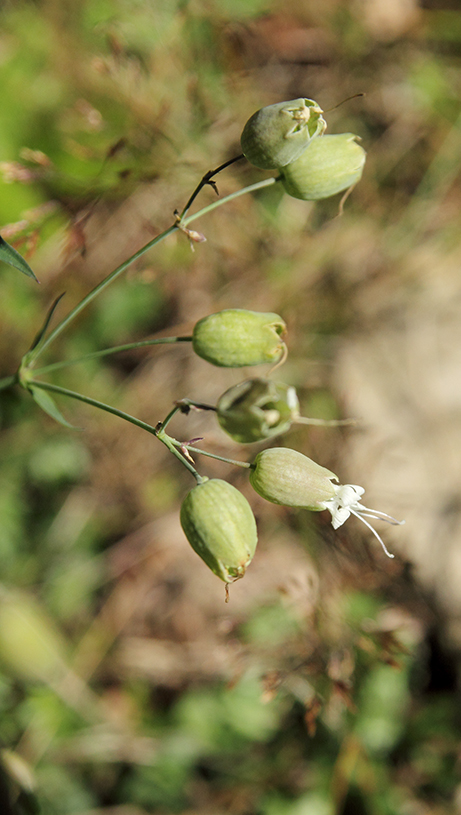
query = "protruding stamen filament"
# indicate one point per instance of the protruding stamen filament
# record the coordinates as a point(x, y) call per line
point(345, 503)
point(361, 518)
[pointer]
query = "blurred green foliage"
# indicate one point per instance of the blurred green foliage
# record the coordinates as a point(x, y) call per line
point(123, 688)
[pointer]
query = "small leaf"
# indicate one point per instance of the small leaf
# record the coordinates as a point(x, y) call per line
point(29, 357)
point(13, 258)
point(45, 401)
point(41, 334)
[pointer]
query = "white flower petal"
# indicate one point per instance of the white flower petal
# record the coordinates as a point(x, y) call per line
point(347, 501)
point(338, 516)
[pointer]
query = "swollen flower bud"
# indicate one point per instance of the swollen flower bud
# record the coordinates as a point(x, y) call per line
point(235, 337)
point(277, 134)
point(257, 409)
point(284, 476)
point(329, 165)
point(220, 526)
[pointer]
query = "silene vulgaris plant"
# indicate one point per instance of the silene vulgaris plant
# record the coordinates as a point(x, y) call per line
point(216, 518)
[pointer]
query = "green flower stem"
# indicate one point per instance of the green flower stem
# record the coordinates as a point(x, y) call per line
point(179, 407)
point(99, 288)
point(185, 405)
point(252, 188)
point(207, 180)
point(123, 266)
point(154, 431)
point(8, 381)
point(106, 351)
point(170, 444)
point(324, 422)
point(212, 455)
point(162, 425)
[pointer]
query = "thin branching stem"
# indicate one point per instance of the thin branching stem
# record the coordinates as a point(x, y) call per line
point(154, 431)
point(99, 288)
point(200, 452)
point(207, 180)
point(126, 263)
point(259, 185)
point(116, 349)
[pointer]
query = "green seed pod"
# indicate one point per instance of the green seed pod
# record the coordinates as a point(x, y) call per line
point(277, 134)
point(329, 165)
point(235, 337)
point(287, 477)
point(220, 526)
point(257, 409)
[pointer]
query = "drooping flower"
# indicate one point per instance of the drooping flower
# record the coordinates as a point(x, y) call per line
point(287, 477)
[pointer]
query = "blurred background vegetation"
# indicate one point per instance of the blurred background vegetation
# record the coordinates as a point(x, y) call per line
point(329, 684)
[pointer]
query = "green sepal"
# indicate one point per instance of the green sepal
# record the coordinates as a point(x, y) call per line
point(234, 338)
point(277, 134)
point(330, 164)
point(285, 476)
point(257, 409)
point(13, 258)
point(220, 526)
point(47, 404)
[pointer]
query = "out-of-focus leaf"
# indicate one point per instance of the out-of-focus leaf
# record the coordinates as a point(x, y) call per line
point(383, 703)
point(47, 403)
point(18, 769)
point(13, 258)
point(29, 642)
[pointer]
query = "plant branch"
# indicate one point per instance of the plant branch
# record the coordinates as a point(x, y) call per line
point(123, 266)
point(207, 180)
point(197, 450)
point(47, 386)
point(259, 185)
point(99, 288)
point(131, 346)
point(154, 431)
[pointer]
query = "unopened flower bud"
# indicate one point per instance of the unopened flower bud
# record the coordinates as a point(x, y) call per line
point(220, 526)
point(287, 477)
point(257, 409)
point(329, 165)
point(277, 134)
point(235, 337)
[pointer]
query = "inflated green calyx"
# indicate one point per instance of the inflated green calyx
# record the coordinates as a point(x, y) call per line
point(329, 165)
point(257, 409)
point(277, 134)
point(284, 476)
point(220, 526)
point(235, 337)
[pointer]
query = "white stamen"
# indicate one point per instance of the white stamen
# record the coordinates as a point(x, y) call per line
point(357, 515)
point(346, 503)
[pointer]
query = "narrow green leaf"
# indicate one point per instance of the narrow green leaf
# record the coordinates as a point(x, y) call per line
point(46, 402)
point(39, 339)
point(13, 258)
point(41, 334)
